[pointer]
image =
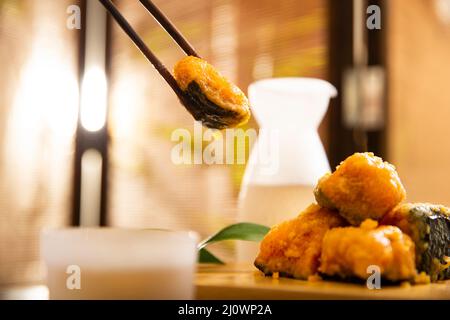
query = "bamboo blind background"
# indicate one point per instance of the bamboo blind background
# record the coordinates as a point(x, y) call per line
point(38, 101)
point(246, 41)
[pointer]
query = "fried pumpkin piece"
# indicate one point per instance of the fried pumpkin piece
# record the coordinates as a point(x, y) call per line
point(293, 247)
point(348, 252)
point(362, 187)
point(428, 225)
point(219, 103)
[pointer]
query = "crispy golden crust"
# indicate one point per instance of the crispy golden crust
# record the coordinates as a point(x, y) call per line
point(362, 187)
point(399, 217)
point(213, 85)
point(349, 251)
point(293, 248)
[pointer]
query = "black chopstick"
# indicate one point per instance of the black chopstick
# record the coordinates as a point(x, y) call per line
point(169, 27)
point(142, 46)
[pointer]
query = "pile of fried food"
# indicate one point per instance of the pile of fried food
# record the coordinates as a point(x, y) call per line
point(359, 222)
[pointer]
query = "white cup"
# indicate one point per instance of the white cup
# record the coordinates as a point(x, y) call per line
point(106, 263)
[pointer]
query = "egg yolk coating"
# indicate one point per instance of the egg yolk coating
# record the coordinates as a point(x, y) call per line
point(362, 187)
point(293, 247)
point(353, 251)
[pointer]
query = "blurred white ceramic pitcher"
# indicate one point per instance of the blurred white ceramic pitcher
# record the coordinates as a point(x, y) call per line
point(288, 157)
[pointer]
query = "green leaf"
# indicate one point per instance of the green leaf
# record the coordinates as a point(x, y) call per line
point(207, 257)
point(240, 231)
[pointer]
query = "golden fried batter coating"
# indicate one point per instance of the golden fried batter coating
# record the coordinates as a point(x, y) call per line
point(293, 248)
point(349, 251)
point(363, 186)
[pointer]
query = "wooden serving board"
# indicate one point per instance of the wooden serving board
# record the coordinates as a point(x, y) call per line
point(245, 282)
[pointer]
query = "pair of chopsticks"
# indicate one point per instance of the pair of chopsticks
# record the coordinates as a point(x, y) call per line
point(166, 24)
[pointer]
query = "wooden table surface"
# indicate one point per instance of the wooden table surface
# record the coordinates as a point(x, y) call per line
point(245, 282)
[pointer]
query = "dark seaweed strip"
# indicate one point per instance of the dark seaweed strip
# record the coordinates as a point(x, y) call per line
point(323, 200)
point(206, 111)
point(437, 238)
